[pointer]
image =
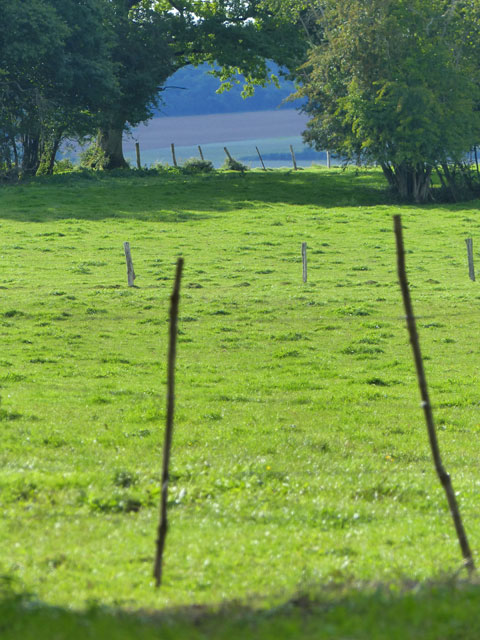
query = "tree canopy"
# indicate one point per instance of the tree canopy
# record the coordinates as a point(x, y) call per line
point(396, 82)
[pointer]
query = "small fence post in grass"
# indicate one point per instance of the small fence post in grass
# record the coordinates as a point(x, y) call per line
point(228, 154)
point(471, 268)
point(329, 160)
point(137, 149)
point(163, 524)
point(261, 159)
point(293, 158)
point(427, 407)
point(130, 272)
point(304, 260)
point(174, 157)
point(201, 153)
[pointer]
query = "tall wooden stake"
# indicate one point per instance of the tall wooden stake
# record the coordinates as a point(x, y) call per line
point(201, 153)
point(329, 160)
point(228, 154)
point(471, 268)
point(163, 524)
point(427, 408)
point(128, 257)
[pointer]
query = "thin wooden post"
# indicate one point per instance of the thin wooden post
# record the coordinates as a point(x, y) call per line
point(293, 158)
point(228, 154)
point(137, 149)
point(427, 407)
point(130, 272)
point(329, 160)
point(471, 268)
point(304, 260)
point(201, 153)
point(174, 157)
point(172, 349)
point(261, 159)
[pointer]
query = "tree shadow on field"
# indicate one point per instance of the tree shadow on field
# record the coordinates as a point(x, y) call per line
point(169, 197)
point(408, 611)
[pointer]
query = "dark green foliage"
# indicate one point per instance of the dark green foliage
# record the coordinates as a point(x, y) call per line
point(396, 83)
point(234, 165)
point(197, 165)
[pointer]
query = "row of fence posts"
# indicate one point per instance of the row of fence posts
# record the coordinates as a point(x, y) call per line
point(131, 273)
point(227, 153)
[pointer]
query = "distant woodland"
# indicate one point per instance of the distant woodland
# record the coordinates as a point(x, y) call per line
point(193, 91)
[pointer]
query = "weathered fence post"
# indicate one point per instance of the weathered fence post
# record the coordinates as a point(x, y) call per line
point(172, 350)
point(137, 149)
point(130, 272)
point(228, 154)
point(471, 268)
point(293, 158)
point(174, 157)
point(201, 153)
point(304, 260)
point(442, 474)
point(329, 160)
point(261, 159)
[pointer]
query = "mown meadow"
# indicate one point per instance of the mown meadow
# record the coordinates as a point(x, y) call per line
point(303, 499)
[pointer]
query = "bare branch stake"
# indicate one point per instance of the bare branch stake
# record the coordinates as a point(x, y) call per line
point(163, 525)
point(427, 408)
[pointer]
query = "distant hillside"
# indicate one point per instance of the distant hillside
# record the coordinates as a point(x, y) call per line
point(192, 91)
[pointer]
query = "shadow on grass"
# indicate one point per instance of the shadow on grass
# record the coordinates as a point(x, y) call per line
point(437, 611)
point(176, 197)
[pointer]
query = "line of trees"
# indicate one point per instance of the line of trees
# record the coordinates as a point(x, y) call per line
point(396, 83)
point(393, 82)
point(69, 68)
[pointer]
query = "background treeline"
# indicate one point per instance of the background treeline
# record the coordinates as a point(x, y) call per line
point(390, 82)
point(194, 91)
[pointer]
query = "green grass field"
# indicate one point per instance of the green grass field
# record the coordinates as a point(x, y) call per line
point(303, 497)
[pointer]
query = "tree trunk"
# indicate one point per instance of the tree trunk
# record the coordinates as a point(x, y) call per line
point(411, 183)
point(53, 154)
point(110, 141)
point(30, 159)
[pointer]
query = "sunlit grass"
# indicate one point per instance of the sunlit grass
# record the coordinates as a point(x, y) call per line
point(300, 457)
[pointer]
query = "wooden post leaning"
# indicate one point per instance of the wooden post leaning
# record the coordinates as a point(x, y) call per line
point(443, 476)
point(261, 159)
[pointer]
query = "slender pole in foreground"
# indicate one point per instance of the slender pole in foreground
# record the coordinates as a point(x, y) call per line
point(163, 525)
point(427, 408)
